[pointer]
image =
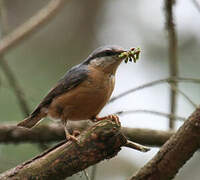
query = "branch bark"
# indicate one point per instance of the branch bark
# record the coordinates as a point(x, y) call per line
point(102, 141)
point(174, 153)
point(52, 133)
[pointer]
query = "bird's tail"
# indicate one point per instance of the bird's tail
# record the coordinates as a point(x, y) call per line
point(31, 121)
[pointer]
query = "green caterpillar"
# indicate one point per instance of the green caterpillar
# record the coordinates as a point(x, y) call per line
point(132, 55)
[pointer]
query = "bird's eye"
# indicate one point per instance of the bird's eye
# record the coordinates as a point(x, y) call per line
point(104, 54)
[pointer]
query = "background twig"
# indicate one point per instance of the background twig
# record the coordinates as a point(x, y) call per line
point(15, 86)
point(150, 112)
point(173, 57)
point(156, 82)
point(52, 133)
point(30, 26)
point(184, 95)
point(7, 70)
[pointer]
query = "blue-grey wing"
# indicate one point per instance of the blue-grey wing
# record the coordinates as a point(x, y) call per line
point(70, 80)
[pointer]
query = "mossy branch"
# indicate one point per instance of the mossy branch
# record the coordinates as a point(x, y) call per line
point(101, 141)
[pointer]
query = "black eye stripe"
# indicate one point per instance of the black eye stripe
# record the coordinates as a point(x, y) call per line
point(109, 53)
point(106, 53)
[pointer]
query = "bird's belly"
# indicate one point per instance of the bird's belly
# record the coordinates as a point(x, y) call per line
point(86, 106)
point(80, 103)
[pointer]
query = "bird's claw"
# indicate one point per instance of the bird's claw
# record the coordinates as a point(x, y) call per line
point(112, 117)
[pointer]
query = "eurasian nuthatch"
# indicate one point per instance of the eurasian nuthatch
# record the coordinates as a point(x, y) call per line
point(83, 91)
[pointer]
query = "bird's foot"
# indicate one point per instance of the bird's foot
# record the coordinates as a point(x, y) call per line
point(112, 117)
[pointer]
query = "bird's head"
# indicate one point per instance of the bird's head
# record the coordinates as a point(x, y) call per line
point(107, 58)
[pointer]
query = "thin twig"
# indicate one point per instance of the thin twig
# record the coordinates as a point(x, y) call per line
point(148, 137)
point(31, 25)
point(136, 146)
point(15, 86)
point(184, 95)
point(152, 83)
point(150, 112)
point(173, 56)
point(197, 5)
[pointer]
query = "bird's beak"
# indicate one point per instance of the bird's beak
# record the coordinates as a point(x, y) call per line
point(131, 55)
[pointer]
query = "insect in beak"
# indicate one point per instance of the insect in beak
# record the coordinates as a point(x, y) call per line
point(132, 55)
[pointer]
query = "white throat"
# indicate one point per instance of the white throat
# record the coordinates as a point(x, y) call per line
point(102, 62)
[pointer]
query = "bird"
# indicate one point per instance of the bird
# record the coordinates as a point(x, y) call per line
point(82, 92)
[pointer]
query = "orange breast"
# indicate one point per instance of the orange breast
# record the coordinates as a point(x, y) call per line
point(86, 100)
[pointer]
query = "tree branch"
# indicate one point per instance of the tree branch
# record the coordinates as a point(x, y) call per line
point(174, 153)
point(52, 133)
point(173, 56)
point(101, 141)
point(42, 133)
point(30, 26)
